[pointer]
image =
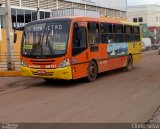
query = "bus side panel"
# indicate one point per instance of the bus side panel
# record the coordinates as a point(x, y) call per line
point(117, 55)
point(136, 50)
point(80, 70)
point(100, 56)
point(115, 63)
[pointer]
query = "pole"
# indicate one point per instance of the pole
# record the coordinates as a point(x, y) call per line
point(126, 9)
point(38, 13)
point(10, 63)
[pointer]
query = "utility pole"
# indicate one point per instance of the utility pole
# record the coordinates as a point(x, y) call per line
point(38, 13)
point(10, 63)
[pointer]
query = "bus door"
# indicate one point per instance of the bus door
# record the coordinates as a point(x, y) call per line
point(79, 51)
point(136, 46)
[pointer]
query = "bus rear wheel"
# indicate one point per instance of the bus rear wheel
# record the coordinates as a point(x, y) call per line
point(48, 80)
point(129, 65)
point(92, 71)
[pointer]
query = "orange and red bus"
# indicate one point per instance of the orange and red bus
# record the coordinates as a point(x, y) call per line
point(77, 47)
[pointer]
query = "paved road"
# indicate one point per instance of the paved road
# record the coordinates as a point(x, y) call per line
point(115, 97)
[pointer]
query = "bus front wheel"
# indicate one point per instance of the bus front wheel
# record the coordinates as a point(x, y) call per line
point(129, 65)
point(92, 71)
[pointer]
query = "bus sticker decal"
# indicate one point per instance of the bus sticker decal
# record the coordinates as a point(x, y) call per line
point(117, 49)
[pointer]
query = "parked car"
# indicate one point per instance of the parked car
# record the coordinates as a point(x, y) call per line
point(155, 46)
point(147, 42)
point(143, 46)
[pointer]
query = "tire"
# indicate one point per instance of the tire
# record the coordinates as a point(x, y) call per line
point(92, 71)
point(129, 65)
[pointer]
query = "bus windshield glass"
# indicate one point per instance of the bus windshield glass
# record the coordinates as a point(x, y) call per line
point(45, 40)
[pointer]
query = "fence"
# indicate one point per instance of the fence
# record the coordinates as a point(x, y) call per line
point(15, 61)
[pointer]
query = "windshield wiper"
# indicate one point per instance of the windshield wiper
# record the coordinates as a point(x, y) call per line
point(49, 45)
point(39, 44)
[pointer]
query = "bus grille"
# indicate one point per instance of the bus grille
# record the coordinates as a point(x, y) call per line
point(46, 74)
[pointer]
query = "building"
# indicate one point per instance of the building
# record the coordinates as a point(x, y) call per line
point(146, 14)
point(24, 11)
point(149, 15)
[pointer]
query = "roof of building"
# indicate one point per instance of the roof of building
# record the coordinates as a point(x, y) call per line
point(146, 5)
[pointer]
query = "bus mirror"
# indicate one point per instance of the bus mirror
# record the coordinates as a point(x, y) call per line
point(15, 37)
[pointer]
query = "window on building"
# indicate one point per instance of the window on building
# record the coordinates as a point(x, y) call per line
point(20, 18)
point(34, 15)
point(14, 17)
point(47, 14)
point(42, 15)
point(140, 19)
point(157, 18)
point(135, 20)
point(93, 33)
point(27, 16)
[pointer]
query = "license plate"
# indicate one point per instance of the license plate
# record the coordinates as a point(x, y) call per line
point(41, 72)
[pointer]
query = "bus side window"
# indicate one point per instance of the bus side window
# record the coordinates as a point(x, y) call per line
point(136, 33)
point(128, 34)
point(79, 37)
point(106, 31)
point(118, 33)
point(93, 33)
point(79, 40)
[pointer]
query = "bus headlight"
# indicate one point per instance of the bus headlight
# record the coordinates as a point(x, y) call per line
point(64, 63)
point(23, 63)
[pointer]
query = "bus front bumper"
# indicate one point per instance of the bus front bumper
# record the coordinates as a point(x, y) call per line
point(59, 73)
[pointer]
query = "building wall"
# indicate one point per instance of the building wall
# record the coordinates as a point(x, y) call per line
point(104, 3)
point(149, 13)
point(28, 8)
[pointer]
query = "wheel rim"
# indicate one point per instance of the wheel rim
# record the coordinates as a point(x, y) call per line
point(92, 71)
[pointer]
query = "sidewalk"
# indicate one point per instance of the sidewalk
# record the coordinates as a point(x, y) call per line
point(10, 74)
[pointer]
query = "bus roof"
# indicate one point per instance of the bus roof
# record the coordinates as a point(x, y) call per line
point(83, 19)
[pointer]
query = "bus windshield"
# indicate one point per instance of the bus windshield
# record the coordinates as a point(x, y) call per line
point(45, 40)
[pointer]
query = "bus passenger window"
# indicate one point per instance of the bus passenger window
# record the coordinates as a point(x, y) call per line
point(93, 33)
point(79, 37)
point(136, 33)
point(118, 34)
point(79, 40)
point(106, 33)
point(128, 34)
point(106, 38)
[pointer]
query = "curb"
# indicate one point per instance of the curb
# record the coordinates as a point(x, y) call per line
point(10, 74)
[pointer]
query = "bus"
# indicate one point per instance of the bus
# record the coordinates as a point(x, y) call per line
point(70, 48)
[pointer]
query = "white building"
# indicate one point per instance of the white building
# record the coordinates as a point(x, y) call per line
point(147, 14)
point(24, 11)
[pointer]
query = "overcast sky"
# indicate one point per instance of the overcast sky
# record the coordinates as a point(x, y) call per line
point(142, 2)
